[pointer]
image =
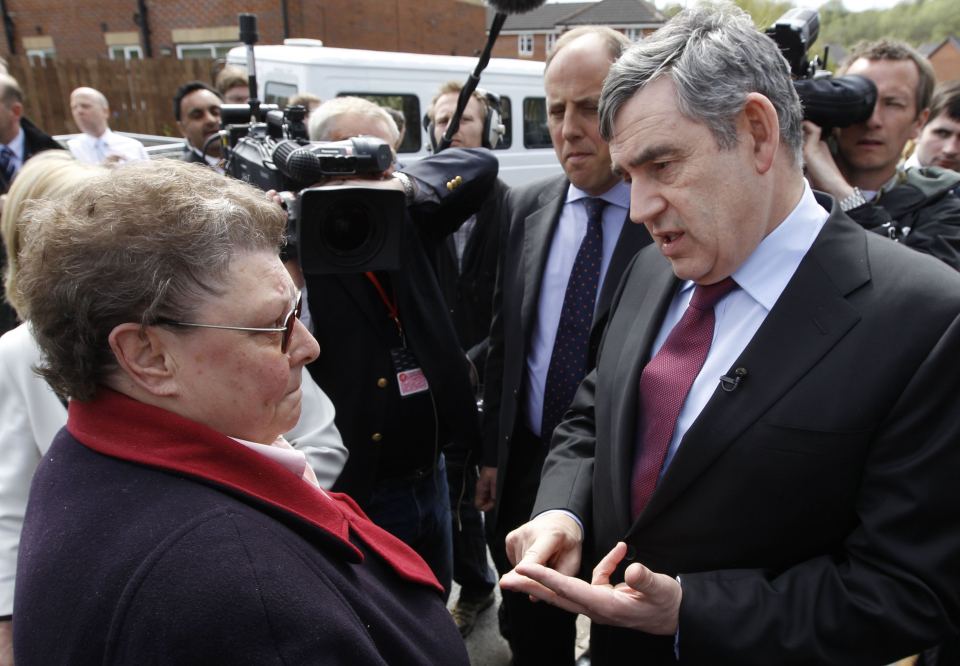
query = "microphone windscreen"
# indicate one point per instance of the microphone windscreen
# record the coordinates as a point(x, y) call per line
point(514, 6)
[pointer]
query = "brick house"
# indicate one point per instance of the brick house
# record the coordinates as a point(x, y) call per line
point(132, 29)
point(532, 35)
point(945, 58)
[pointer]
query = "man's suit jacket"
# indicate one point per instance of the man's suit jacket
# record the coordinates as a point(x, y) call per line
point(468, 291)
point(35, 140)
point(533, 211)
point(349, 319)
point(810, 513)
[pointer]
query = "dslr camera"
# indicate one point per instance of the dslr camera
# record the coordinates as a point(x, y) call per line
point(331, 229)
point(827, 101)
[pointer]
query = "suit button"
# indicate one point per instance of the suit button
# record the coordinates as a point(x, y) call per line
point(631, 555)
point(382, 382)
point(376, 437)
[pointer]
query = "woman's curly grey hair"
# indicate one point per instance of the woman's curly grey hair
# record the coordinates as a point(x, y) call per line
point(144, 242)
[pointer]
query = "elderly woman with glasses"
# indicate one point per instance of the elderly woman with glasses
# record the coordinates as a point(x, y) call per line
point(168, 523)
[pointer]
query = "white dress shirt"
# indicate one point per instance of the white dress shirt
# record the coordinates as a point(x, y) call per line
point(94, 150)
point(571, 228)
point(761, 278)
point(17, 146)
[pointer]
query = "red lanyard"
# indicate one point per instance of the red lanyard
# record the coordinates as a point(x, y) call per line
point(392, 311)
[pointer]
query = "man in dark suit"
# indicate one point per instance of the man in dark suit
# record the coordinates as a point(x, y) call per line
point(196, 106)
point(568, 243)
point(20, 140)
point(390, 360)
point(775, 462)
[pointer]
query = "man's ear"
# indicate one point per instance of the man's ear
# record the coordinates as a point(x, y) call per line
point(143, 356)
point(762, 125)
point(918, 124)
point(16, 108)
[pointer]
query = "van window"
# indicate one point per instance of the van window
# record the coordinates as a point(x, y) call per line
point(408, 105)
point(278, 93)
point(507, 118)
point(535, 131)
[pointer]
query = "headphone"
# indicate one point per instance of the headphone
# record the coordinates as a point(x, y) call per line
point(493, 128)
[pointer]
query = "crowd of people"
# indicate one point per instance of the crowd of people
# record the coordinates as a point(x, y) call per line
point(696, 388)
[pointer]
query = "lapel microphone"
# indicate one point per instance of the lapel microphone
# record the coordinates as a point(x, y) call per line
point(730, 384)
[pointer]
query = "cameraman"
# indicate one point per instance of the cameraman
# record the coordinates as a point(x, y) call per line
point(858, 165)
point(376, 330)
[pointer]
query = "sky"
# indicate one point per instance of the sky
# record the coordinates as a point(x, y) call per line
point(852, 5)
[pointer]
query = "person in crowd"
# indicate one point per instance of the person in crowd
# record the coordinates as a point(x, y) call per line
point(233, 85)
point(859, 165)
point(392, 363)
point(20, 140)
point(569, 241)
point(31, 413)
point(309, 101)
point(169, 518)
point(764, 477)
point(466, 264)
point(196, 106)
point(939, 142)
point(400, 121)
point(98, 144)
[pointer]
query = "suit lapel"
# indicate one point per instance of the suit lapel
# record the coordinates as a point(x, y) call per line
point(538, 229)
point(633, 238)
point(811, 316)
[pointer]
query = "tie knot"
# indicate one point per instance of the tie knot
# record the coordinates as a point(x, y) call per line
point(594, 206)
point(6, 153)
point(705, 297)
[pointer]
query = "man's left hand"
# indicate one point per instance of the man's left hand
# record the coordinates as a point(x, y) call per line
point(646, 601)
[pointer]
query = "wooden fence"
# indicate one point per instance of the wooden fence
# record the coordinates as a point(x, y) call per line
point(140, 91)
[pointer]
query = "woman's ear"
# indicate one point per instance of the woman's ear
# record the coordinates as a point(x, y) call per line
point(144, 358)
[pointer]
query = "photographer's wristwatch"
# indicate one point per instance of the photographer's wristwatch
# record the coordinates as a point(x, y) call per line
point(409, 189)
point(853, 200)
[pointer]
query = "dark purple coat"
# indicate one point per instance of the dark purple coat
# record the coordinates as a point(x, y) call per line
point(202, 563)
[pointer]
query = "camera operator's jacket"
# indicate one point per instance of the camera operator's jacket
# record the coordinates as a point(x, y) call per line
point(355, 367)
point(921, 210)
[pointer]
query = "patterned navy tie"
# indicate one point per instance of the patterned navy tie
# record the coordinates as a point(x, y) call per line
point(6, 163)
point(665, 382)
point(568, 363)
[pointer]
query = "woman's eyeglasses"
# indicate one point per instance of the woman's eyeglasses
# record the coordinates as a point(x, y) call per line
point(289, 323)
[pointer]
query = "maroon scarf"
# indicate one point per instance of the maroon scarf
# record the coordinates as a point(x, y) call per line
point(120, 427)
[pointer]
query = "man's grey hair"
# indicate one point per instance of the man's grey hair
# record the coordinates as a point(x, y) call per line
point(715, 57)
point(323, 120)
point(98, 96)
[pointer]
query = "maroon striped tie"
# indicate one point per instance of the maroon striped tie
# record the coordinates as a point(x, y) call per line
point(665, 383)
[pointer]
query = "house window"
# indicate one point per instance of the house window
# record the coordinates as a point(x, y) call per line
point(633, 34)
point(208, 50)
point(40, 56)
point(551, 41)
point(133, 52)
point(525, 44)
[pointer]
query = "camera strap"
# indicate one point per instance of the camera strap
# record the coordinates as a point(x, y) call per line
point(410, 377)
point(391, 304)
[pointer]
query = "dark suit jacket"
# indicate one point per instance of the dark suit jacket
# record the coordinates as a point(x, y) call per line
point(533, 212)
point(35, 140)
point(469, 292)
point(811, 513)
point(349, 323)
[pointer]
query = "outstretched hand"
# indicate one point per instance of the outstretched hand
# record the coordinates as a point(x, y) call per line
point(645, 601)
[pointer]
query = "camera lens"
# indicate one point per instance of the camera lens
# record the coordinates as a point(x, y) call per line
point(349, 229)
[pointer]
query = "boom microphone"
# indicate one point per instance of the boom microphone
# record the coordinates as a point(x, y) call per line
point(514, 6)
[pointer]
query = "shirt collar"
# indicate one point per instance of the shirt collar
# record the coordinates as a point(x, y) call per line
point(766, 272)
point(618, 195)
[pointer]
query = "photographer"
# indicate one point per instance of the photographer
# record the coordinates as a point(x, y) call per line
point(858, 165)
point(390, 359)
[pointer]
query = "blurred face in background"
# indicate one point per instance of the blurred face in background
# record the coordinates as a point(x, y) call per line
point(939, 143)
point(89, 113)
point(200, 118)
point(470, 133)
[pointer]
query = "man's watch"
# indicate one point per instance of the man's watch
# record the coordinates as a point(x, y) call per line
point(853, 200)
point(409, 189)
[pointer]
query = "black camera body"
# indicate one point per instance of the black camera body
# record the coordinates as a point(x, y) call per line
point(827, 101)
point(331, 229)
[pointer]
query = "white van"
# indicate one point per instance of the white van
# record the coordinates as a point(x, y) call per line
point(408, 82)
